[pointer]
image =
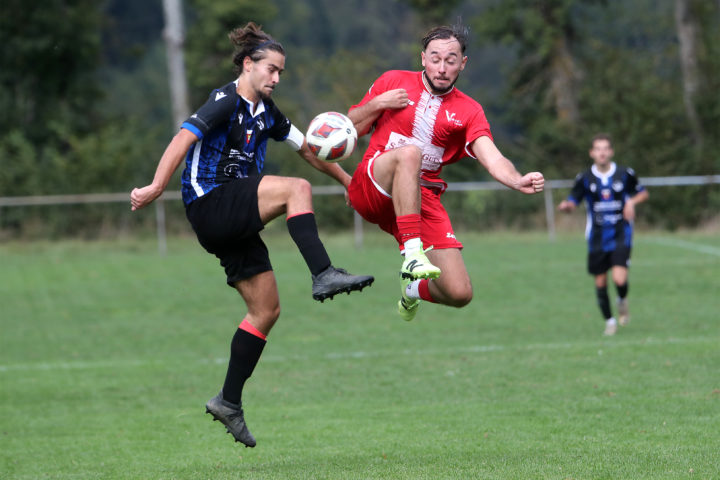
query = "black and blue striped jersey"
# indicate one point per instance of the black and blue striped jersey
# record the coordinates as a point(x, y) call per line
point(232, 140)
point(605, 195)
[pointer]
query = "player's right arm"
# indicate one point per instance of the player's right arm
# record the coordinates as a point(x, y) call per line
point(169, 162)
point(569, 204)
point(367, 112)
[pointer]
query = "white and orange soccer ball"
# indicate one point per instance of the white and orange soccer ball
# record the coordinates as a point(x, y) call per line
point(331, 136)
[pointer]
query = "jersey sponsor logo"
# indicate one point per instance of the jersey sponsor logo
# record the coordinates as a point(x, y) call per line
point(451, 118)
point(219, 96)
point(233, 170)
point(614, 205)
point(450, 235)
point(432, 155)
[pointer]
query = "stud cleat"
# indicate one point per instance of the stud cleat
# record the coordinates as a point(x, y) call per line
point(418, 266)
point(407, 307)
point(333, 281)
point(230, 415)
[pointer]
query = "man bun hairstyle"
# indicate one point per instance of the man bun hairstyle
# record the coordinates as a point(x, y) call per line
point(458, 31)
point(251, 41)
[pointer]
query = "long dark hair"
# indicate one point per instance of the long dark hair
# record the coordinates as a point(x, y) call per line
point(251, 41)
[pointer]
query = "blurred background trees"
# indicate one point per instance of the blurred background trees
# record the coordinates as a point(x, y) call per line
point(86, 105)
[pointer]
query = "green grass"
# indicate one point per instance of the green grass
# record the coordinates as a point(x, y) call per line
point(108, 353)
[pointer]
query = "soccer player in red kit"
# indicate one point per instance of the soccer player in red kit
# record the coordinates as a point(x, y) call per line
point(420, 122)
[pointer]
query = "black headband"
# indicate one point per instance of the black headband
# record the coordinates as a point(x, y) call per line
point(262, 45)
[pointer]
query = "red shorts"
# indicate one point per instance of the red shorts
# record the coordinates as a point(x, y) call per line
point(376, 206)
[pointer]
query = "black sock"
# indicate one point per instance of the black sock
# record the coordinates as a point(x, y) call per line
point(304, 233)
point(245, 351)
point(603, 301)
point(622, 290)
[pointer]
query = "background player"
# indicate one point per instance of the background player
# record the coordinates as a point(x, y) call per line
point(422, 123)
point(228, 201)
point(611, 193)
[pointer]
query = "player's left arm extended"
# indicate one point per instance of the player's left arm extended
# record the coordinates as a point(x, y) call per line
point(333, 170)
point(503, 169)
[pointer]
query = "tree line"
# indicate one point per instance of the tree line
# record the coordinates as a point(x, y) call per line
point(86, 102)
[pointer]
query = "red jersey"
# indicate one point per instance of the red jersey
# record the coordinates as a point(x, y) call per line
point(442, 126)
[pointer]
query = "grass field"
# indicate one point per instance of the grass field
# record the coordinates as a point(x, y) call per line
point(109, 351)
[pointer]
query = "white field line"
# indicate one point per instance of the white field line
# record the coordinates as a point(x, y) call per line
point(593, 346)
point(695, 247)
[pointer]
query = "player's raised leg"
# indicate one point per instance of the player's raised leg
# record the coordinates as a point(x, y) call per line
point(293, 197)
point(396, 173)
point(452, 288)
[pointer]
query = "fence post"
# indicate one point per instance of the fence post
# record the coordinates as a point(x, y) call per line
point(161, 230)
point(549, 211)
point(358, 221)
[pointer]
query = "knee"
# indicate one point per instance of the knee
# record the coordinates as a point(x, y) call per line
point(459, 297)
point(301, 188)
point(410, 154)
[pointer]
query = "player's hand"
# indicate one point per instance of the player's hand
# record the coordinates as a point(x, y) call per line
point(142, 197)
point(566, 206)
point(533, 182)
point(394, 99)
point(629, 211)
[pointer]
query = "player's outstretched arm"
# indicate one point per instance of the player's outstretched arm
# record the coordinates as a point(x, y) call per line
point(566, 206)
point(364, 116)
point(333, 170)
point(170, 160)
point(503, 169)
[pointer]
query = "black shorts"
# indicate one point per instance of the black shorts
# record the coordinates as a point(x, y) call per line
point(227, 223)
point(601, 262)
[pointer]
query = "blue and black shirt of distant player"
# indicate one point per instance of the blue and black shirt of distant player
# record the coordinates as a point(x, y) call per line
point(605, 195)
point(233, 140)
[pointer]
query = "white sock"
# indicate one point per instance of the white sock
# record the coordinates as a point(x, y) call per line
point(413, 289)
point(611, 321)
point(412, 246)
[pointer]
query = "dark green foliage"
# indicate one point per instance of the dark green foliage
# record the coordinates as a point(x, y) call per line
point(86, 105)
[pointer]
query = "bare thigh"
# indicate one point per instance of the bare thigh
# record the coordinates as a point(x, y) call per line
point(279, 195)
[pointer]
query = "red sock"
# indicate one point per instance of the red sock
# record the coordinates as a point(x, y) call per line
point(408, 226)
point(424, 290)
point(247, 326)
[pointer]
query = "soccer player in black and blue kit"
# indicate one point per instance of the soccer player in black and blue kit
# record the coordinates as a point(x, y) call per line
point(228, 201)
point(610, 192)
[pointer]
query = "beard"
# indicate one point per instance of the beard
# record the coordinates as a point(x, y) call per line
point(437, 89)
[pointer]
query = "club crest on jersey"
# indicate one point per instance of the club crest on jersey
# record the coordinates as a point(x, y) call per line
point(248, 135)
point(606, 194)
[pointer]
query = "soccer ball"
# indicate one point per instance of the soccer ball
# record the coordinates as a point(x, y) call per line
point(331, 136)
